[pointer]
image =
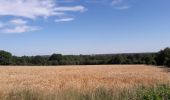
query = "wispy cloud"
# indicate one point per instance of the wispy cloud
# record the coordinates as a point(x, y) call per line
point(116, 2)
point(31, 10)
point(34, 8)
point(120, 4)
point(66, 1)
point(18, 22)
point(95, 1)
point(64, 19)
point(20, 29)
point(25, 10)
point(73, 8)
point(16, 26)
point(122, 7)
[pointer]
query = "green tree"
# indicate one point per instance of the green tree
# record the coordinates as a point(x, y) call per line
point(163, 57)
point(39, 60)
point(55, 59)
point(150, 60)
point(119, 59)
point(5, 58)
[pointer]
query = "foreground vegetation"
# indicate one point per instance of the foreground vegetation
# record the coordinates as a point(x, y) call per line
point(156, 92)
point(159, 58)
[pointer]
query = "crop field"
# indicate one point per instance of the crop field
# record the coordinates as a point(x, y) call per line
point(82, 78)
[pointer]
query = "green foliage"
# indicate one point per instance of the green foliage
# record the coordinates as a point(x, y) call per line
point(119, 59)
point(5, 58)
point(160, 58)
point(163, 57)
point(159, 92)
point(150, 60)
point(39, 60)
point(57, 57)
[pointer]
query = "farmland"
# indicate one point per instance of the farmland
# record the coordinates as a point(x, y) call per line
point(54, 79)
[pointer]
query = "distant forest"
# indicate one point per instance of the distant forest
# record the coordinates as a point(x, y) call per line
point(161, 58)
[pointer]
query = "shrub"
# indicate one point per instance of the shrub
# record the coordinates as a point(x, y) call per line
point(159, 92)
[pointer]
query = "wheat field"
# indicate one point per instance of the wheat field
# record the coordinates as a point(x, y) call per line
point(58, 78)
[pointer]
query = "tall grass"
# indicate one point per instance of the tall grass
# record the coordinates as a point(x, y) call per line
point(157, 92)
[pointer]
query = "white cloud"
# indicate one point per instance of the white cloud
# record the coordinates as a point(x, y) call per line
point(16, 26)
point(18, 21)
point(74, 8)
point(31, 10)
point(116, 2)
point(19, 29)
point(27, 8)
point(64, 19)
point(34, 8)
point(66, 1)
point(122, 7)
point(120, 4)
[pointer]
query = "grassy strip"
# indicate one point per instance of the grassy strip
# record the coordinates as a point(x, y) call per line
point(158, 92)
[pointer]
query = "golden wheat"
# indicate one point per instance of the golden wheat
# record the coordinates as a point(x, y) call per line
point(59, 78)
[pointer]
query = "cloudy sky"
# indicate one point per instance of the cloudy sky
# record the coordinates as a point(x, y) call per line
point(41, 27)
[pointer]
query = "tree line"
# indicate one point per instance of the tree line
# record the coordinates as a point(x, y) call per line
point(159, 58)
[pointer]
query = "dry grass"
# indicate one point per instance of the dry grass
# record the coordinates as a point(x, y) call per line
point(59, 78)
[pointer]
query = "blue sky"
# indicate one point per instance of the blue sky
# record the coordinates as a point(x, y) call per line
point(41, 27)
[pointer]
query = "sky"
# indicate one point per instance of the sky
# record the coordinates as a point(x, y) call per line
point(44, 27)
